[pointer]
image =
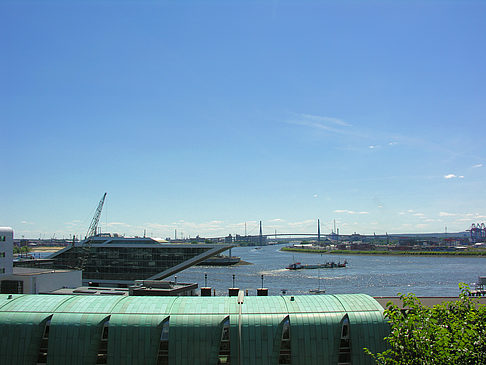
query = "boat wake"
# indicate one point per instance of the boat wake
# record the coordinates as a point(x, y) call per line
point(272, 272)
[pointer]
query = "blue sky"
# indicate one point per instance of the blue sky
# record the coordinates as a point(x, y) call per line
point(202, 116)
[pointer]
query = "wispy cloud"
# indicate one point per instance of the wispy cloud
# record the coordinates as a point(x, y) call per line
point(322, 119)
point(302, 223)
point(345, 211)
point(327, 124)
point(446, 214)
point(477, 166)
point(463, 217)
point(413, 213)
point(421, 225)
point(114, 224)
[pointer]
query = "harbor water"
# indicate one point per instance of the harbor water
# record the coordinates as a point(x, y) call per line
point(376, 275)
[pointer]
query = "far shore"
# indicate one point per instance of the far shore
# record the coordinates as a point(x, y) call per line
point(46, 248)
point(481, 253)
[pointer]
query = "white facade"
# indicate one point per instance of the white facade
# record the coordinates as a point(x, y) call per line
point(30, 280)
point(6, 251)
point(43, 281)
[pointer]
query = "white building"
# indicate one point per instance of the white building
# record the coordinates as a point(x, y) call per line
point(25, 280)
point(20, 280)
point(6, 251)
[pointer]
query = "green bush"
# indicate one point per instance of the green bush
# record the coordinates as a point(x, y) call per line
point(447, 333)
point(21, 249)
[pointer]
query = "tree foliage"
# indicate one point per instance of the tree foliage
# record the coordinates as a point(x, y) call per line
point(448, 333)
point(21, 249)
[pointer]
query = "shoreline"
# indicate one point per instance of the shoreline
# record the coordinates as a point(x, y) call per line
point(387, 253)
point(46, 248)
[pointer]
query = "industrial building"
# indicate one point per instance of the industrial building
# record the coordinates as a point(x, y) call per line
point(65, 329)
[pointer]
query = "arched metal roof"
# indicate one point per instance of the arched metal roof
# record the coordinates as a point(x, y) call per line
point(135, 327)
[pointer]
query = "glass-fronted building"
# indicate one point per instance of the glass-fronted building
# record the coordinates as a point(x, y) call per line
point(120, 261)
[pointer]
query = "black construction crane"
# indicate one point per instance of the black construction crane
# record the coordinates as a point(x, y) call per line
point(94, 223)
point(86, 247)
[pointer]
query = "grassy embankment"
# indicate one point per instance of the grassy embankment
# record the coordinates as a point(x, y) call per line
point(393, 253)
point(47, 248)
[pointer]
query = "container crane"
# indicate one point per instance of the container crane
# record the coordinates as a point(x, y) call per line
point(94, 222)
point(86, 247)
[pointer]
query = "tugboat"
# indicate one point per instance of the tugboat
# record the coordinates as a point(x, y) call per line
point(327, 265)
point(295, 266)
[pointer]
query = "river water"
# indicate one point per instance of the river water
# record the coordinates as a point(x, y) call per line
point(369, 274)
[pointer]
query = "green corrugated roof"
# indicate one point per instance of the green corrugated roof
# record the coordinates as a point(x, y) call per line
point(20, 335)
point(269, 305)
point(203, 333)
point(135, 327)
point(134, 338)
point(362, 302)
point(4, 298)
point(193, 305)
point(261, 336)
point(74, 338)
point(89, 304)
point(35, 303)
point(144, 305)
point(314, 303)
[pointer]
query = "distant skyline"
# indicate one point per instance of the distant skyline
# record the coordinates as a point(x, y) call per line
point(203, 116)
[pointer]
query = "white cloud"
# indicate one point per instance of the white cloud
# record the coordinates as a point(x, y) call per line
point(446, 214)
point(302, 223)
point(453, 176)
point(349, 211)
point(118, 224)
point(421, 225)
point(477, 166)
point(371, 147)
point(315, 196)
